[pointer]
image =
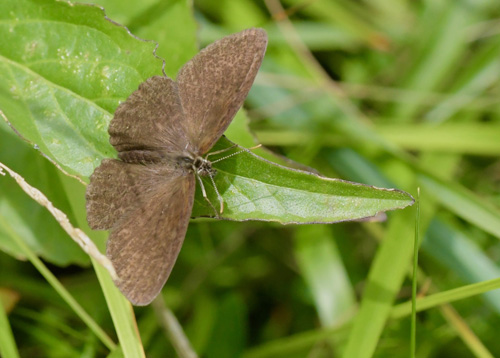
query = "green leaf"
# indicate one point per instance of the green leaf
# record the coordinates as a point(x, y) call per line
point(464, 203)
point(254, 188)
point(462, 138)
point(21, 216)
point(341, 15)
point(63, 71)
point(169, 23)
point(385, 278)
point(321, 266)
point(440, 298)
point(63, 292)
point(8, 346)
point(442, 43)
point(465, 258)
point(229, 331)
point(162, 23)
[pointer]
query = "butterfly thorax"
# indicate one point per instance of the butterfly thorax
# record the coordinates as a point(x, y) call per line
point(187, 161)
point(196, 164)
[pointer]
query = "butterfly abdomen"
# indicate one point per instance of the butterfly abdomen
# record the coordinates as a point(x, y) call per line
point(142, 156)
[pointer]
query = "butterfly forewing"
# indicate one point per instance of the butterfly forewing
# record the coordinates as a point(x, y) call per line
point(214, 84)
point(151, 118)
point(145, 243)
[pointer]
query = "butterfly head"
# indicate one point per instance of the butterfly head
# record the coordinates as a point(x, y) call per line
point(196, 164)
point(203, 167)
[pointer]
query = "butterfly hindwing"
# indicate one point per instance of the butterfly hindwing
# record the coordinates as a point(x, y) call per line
point(116, 188)
point(144, 244)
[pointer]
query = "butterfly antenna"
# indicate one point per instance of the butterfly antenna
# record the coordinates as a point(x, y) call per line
point(221, 151)
point(204, 193)
point(238, 152)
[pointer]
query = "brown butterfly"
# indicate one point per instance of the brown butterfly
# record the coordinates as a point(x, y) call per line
point(161, 133)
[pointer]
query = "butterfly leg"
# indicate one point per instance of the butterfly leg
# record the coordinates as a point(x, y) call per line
point(221, 201)
point(204, 193)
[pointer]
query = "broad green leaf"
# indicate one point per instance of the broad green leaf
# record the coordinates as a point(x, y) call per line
point(63, 70)
point(172, 26)
point(254, 188)
point(124, 11)
point(169, 23)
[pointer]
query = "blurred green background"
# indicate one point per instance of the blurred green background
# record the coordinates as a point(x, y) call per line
point(389, 93)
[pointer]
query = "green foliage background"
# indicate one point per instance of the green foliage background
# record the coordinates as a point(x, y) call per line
point(387, 93)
